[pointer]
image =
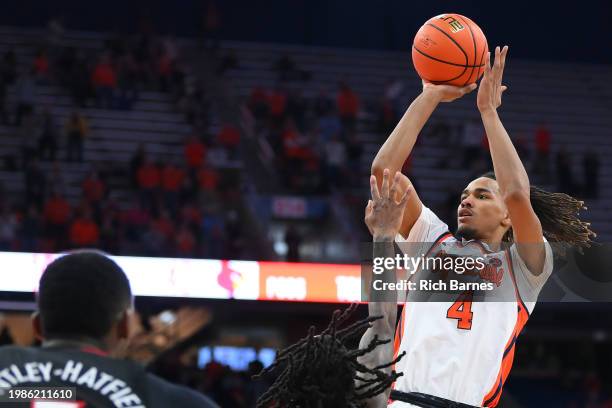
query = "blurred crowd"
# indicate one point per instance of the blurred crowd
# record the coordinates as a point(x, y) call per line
point(173, 207)
point(314, 140)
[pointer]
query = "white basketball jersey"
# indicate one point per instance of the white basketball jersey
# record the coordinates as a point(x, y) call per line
point(463, 350)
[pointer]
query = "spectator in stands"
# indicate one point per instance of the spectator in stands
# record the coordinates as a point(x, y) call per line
point(185, 241)
point(335, 158)
point(195, 152)
point(164, 226)
point(57, 178)
point(386, 117)
point(213, 233)
point(295, 152)
point(393, 92)
point(134, 220)
point(165, 66)
point(35, 183)
point(288, 70)
point(542, 139)
point(27, 133)
point(25, 92)
point(57, 213)
point(229, 138)
point(136, 161)
point(149, 178)
point(565, 180)
point(47, 143)
point(227, 63)
point(104, 80)
point(522, 147)
point(277, 106)
point(329, 126)
point(94, 190)
point(77, 130)
point(258, 103)
point(79, 81)
point(472, 147)
point(208, 181)
point(8, 228)
point(323, 104)
point(84, 232)
point(591, 164)
point(31, 228)
point(172, 179)
point(153, 242)
point(354, 151)
point(9, 67)
point(348, 106)
point(41, 66)
point(296, 108)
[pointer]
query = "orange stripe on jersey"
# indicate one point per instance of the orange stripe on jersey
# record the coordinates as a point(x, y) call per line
point(399, 332)
point(491, 399)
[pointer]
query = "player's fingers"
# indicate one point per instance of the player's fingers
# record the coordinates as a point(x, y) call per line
point(368, 210)
point(384, 190)
point(405, 197)
point(487, 71)
point(504, 88)
point(374, 188)
point(502, 62)
point(497, 68)
point(467, 89)
point(394, 185)
point(497, 60)
point(504, 53)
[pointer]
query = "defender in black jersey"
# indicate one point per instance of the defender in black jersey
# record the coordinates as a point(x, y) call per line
point(84, 305)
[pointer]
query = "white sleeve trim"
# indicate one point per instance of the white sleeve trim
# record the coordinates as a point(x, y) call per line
point(427, 228)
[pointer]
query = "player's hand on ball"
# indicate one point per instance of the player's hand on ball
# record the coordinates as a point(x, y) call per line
point(384, 213)
point(447, 93)
point(490, 89)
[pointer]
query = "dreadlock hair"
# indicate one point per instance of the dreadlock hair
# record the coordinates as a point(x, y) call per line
point(319, 371)
point(558, 214)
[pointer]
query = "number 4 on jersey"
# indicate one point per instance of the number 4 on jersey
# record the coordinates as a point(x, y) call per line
point(462, 311)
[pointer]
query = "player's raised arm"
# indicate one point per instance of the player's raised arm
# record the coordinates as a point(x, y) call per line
point(384, 221)
point(509, 170)
point(400, 142)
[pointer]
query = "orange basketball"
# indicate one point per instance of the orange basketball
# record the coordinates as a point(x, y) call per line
point(450, 49)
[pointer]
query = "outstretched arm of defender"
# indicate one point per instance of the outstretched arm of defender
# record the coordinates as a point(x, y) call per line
point(509, 170)
point(399, 144)
point(383, 220)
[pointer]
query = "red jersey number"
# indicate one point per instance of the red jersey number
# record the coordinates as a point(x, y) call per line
point(462, 311)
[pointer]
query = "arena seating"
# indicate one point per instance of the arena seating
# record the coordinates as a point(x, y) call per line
point(115, 134)
point(572, 99)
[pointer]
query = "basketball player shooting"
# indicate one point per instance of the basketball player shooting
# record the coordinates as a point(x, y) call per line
point(460, 353)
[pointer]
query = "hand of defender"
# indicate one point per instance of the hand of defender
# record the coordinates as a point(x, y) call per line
point(383, 213)
point(447, 93)
point(491, 89)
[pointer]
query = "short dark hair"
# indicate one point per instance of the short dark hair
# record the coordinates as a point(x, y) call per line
point(82, 295)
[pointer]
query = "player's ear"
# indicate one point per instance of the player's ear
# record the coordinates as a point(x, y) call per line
point(37, 326)
point(506, 222)
point(123, 326)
